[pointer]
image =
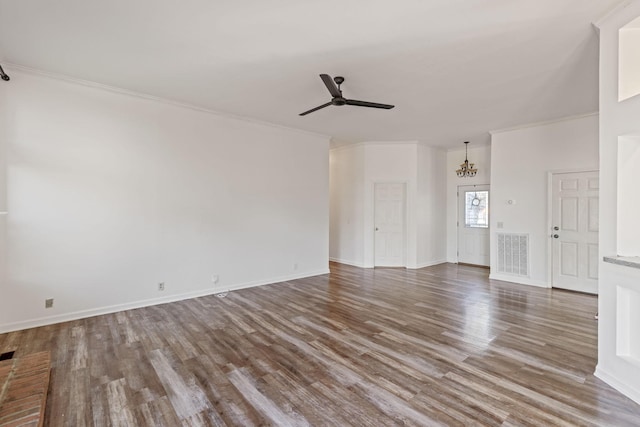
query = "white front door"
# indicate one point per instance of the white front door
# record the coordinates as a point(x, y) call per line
point(473, 224)
point(389, 213)
point(574, 231)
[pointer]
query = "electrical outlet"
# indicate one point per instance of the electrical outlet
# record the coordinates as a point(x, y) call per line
point(48, 303)
point(215, 278)
point(295, 265)
point(161, 286)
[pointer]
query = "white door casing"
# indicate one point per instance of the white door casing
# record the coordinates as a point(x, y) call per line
point(389, 222)
point(473, 225)
point(574, 234)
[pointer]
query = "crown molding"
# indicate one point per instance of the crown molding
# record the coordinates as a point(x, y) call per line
point(346, 145)
point(120, 91)
point(614, 11)
point(543, 123)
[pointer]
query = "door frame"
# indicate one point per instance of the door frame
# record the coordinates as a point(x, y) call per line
point(405, 220)
point(458, 213)
point(550, 175)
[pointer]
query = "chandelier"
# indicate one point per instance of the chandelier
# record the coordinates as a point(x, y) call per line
point(466, 168)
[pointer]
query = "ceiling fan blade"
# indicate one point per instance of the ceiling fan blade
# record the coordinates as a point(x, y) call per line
point(330, 84)
point(315, 109)
point(369, 104)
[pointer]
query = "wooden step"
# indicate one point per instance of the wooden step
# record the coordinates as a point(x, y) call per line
point(24, 382)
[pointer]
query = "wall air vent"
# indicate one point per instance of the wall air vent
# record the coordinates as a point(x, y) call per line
point(513, 254)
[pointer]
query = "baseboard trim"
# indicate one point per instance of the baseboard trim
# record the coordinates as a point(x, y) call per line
point(346, 262)
point(428, 264)
point(465, 264)
point(272, 281)
point(423, 265)
point(83, 314)
point(518, 280)
point(631, 392)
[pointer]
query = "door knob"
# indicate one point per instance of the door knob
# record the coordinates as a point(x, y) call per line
point(555, 236)
point(556, 228)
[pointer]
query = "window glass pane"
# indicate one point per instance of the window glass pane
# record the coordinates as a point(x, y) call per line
point(476, 206)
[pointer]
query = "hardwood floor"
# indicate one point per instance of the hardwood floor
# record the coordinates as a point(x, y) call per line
point(437, 346)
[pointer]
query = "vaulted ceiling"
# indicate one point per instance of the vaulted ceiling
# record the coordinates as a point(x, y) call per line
point(455, 69)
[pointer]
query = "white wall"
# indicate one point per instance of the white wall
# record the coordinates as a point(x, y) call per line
point(4, 134)
point(109, 194)
point(520, 164)
point(346, 235)
point(481, 157)
point(431, 212)
point(354, 171)
point(618, 121)
point(628, 235)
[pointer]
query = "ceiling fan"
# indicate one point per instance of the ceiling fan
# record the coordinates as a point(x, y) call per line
point(338, 99)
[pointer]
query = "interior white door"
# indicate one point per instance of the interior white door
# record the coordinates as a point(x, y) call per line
point(575, 231)
point(473, 224)
point(389, 213)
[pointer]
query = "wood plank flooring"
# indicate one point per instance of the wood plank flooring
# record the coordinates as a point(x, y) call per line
point(442, 345)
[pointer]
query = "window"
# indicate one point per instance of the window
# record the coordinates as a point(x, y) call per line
point(476, 207)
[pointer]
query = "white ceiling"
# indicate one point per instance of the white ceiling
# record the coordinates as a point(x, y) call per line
point(455, 69)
